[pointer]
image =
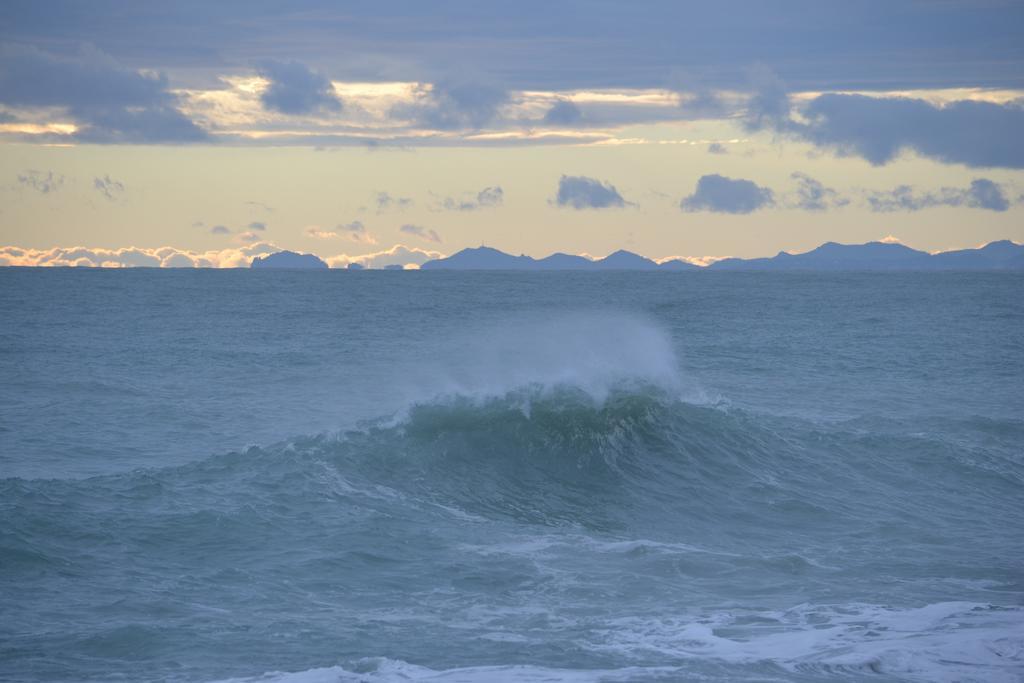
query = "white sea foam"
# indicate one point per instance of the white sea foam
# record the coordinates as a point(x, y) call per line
point(950, 641)
point(942, 642)
point(593, 352)
point(535, 545)
point(383, 669)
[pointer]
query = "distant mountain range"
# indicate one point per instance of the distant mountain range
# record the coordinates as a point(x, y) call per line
point(999, 255)
point(486, 258)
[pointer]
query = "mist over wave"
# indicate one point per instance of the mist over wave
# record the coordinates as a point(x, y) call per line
point(547, 496)
point(590, 351)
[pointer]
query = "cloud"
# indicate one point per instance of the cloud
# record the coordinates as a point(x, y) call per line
point(563, 113)
point(296, 89)
point(356, 232)
point(489, 197)
point(769, 103)
point(248, 236)
point(108, 102)
point(717, 148)
point(385, 202)
point(812, 195)
point(973, 133)
point(219, 230)
point(258, 225)
point(420, 231)
point(133, 257)
point(314, 231)
point(581, 192)
point(537, 43)
point(452, 105)
point(177, 261)
point(719, 194)
point(399, 254)
point(42, 182)
point(696, 95)
point(108, 187)
point(981, 194)
point(985, 194)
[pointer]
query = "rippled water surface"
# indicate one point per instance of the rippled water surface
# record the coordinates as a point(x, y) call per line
point(334, 476)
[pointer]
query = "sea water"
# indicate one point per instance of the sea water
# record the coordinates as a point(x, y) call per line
point(382, 476)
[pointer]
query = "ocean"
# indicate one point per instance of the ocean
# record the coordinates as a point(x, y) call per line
point(312, 476)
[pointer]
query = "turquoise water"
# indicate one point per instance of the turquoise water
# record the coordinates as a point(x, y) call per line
point(331, 476)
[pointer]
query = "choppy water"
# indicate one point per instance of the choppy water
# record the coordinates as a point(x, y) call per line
point(340, 476)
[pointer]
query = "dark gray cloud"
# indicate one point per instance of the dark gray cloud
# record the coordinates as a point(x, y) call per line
point(489, 197)
point(812, 195)
point(768, 105)
point(976, 134)
point(108, 187)
point(422, 232)
point(109, 102)
point(453, 105)
point(43, 182)
point(581, 192)
point(296, 89)
point(563, 113)
point(219, 230)
point(985, 194)
point(717, 148)
point(981, 194)
point(354, 231)
point(563, 44)
point(697, 96)
point(385, 202)
point(719, 194)
point(258, 225)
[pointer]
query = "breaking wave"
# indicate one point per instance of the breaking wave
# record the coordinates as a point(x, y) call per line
point(555, 503)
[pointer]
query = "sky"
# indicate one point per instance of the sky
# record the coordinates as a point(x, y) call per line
point(204, 134)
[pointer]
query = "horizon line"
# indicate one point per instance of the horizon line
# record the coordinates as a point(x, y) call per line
point(243, 256)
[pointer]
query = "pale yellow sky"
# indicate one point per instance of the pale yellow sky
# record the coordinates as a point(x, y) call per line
point(196, 127)
point(174, 195)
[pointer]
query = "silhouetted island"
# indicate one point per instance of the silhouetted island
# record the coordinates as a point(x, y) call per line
point(1001, 255)
point(288, 259)
point(884, 256)
point(487, 258)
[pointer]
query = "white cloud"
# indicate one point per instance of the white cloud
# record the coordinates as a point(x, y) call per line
point(129, 257)
point(318, 233)
point(399, 254)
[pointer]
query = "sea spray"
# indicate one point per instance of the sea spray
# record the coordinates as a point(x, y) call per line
point(459, 491)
